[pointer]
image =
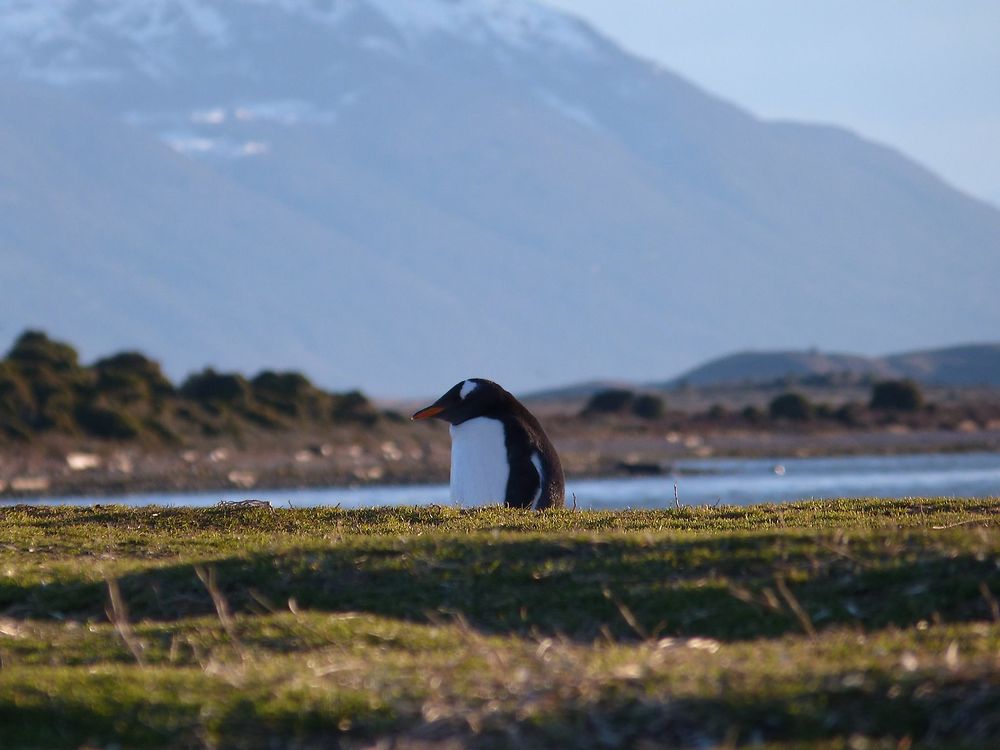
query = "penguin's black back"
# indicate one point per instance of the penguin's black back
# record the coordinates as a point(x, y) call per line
point(524, 438)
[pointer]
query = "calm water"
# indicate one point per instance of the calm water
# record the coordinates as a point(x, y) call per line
point(731, 481)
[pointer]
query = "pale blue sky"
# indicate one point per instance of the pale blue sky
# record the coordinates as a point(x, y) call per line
point(920, 75)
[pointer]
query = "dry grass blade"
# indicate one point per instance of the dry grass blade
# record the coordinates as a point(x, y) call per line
point(953, 525)
point(744, 595)
point(626, 614)
point(207, 577)
point(991, 601)
point(793, 604)
point(10, 628)
point(840, 552)
point(118, 615)
point(767, 599)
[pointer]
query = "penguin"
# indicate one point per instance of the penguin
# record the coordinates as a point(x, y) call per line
point(499, 452)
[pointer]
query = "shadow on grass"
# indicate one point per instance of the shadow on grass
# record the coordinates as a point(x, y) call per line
point(580, 589)
point(134, 714)
point(958, 712)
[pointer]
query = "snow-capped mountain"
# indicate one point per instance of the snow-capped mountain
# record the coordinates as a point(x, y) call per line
point(188, 68)
point(513, 194)
point(63, 39)
point(75, 41)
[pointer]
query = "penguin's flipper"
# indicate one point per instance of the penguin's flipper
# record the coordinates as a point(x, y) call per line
point(524, 486)
point(524, 483)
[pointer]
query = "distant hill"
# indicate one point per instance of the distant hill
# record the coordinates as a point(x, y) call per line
point(973, 364)
point(575, 391)
point(977, 364)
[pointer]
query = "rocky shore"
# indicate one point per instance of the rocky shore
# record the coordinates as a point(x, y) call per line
point(415, 456)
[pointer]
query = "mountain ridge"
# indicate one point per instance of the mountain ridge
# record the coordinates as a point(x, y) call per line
point(961, 364)
point(494, 197)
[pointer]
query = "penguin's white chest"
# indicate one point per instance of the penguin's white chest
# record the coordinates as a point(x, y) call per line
point(479, 467)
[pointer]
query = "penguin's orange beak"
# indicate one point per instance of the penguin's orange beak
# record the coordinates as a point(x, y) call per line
point(430, 411)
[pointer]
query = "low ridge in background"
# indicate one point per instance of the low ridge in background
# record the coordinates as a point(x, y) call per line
point(958, 366)
point(974, 364)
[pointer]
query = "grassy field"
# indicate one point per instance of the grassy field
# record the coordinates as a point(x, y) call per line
point(856, 624)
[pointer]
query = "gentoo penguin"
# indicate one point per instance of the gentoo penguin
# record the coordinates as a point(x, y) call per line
point(498, 449)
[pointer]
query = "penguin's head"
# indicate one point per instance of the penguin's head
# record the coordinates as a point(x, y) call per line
point(466, 400)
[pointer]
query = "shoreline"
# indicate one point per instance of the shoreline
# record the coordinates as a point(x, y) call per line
point(125, 472)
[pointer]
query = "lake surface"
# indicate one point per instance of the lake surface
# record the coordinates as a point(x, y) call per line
point(730, 481)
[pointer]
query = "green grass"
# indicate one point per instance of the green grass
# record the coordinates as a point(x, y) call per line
point(855, 624)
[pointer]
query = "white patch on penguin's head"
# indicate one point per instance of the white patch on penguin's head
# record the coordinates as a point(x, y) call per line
point(467, 387)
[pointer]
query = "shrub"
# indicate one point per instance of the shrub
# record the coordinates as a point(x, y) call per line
point(131, 376)
point(17, 406)
point(16, 399)
point(792, 406)
point(52, 372)
point(649, 406)
point(353, 406)
point(57, 411)
point(896, 395)
point(752, 414)
point(103, 422)
point(824, 411)
point(14, 430)
point(185, 413)
point(261, 417)
point(209, 386)
point(612, 401)
point(288, 392)
point(717, 411)
point(35, 349)
point(286, 384)
point(160, 430)
point(849, 414)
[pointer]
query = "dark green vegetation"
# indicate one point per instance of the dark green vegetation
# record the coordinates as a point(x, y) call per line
point(890, 402)
point(889, 399)
point(623, 401)
point(897, 395)
point(836, 624)
point(45, 390)
point(790, 406)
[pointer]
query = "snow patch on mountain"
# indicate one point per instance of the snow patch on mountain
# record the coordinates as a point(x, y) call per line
point(517, 23)
point(283, 112)
point(323, 11)
point(201, 132)
point(214, 116)
point(153, 20)
point(570, 111)
point(24, 23)
point(380, 45)
point(194, 144)
point(63, 41)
